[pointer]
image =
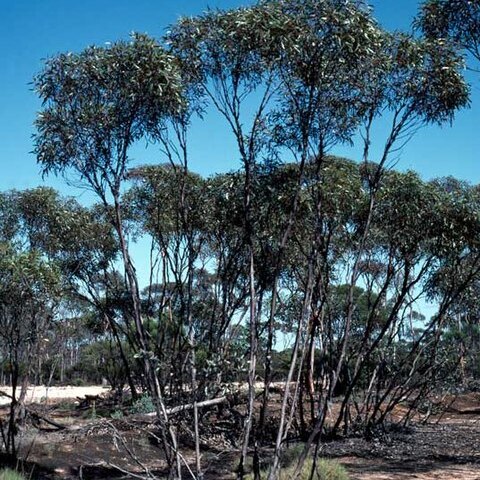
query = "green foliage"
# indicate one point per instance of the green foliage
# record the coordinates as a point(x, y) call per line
point(342, 248)
point(79, 382)
point(100, 359)
point(74, 238)
point(456, 20)
point(8, 474)
point(337, 68)
point(324, 470)
point(117, 415)
point(111, 95)
point(30, 291)
point(425, 79)
point(143, 405)
point(242, 42)
point(159, 195)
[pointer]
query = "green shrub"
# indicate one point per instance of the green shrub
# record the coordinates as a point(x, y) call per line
point(324, 470)
point(291, 454)
point(117, 415)
point(328, 470)
point(143, 405)
point(8, 474)
point(78, 382)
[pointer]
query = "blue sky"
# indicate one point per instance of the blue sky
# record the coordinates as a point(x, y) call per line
point(33, 30)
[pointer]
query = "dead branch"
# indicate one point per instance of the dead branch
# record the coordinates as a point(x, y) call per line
point(190, 406)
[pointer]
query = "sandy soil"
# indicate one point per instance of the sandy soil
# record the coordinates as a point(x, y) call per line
point(43, 394)
point(375, 469)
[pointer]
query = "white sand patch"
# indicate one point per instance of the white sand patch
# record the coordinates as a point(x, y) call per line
point(41, 393)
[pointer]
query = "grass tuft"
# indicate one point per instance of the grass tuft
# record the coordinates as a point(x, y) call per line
point(8, 474)
point(324, 470)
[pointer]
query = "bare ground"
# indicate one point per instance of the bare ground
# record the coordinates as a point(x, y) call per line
point(448, 450)
point(44, 394)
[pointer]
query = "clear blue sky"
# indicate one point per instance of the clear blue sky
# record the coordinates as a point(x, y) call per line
point(33, 30)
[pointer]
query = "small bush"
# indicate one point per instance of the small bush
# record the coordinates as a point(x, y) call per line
point(8, 474)
point(117, 415)
point(291, 454)
point(328, 470)
point(324, 470)
point(78, 382)
point(143, 405)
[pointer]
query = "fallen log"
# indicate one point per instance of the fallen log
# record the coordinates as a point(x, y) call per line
point(190, 406)
point(464, 410)
point(37, 417)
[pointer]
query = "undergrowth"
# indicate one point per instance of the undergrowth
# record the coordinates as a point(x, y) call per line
point(8, 474)
point(324, 470)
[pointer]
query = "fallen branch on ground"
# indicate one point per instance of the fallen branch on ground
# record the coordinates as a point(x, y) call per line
point(190, 406)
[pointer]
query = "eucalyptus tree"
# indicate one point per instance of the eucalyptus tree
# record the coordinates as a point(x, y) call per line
point(452, 20)
point(411, 93)
point(198, 255)
point(61, 232)
point(82, 242)
point(230, 57)
point(96, 105)
point(250, 52)
point(397, 261)
point(161, 198)
point(30, 288)
point(74, 238)
point(418, 234)
point(410, 83)
point(29, 293)
point(170, 201)
point(454, 284)
point(221, 265)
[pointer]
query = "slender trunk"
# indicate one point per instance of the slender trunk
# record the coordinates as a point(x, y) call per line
point(149, 370)
point(125, 362)
point(193, 366)
point(251, 369)
point(12, 428)
point(268, 357)
point(284, 423)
